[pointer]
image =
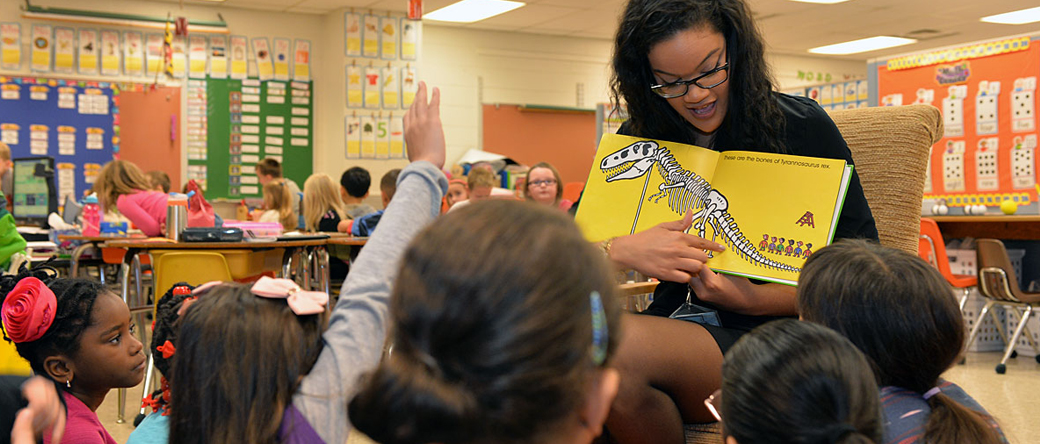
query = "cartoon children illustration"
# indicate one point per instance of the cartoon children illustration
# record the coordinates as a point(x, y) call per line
point(765, 243)
point(808, 251)
point(790, 248)
point(798, 249)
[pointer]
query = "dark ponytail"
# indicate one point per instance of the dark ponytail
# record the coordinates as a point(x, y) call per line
point(898, 310)
point(492, 330)
point(797, 382)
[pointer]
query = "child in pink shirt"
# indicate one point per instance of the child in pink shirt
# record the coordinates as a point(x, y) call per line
point(122, 185)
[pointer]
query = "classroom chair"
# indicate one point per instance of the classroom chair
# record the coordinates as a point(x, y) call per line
point(171, 267)
point(998, 284)
point(932, 249)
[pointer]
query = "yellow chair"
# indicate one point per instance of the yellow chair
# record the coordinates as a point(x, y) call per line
point(11, 363)
point(171, 267)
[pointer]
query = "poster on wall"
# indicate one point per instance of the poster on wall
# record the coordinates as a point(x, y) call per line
point(218, 66)
point(391, 87)
point(11, 46)
point(382, 138)
point(180, 56)
point(154, 49)
point(133, 47)
point(64, 50)
point(111, 53)
point(262, 53)
point(986, 95)
point(352, 34)
point(368, 137)
point(239, 57)
point(389, 35)
point(409, 85)
point(352, 125)
point(88, 51)
point(355, 87)
point(397, 138)
point(370, 37)
point(372, 83)
point(42, 46)
point(302, 60)
point(281, 55)
point(197, 56)
point(410, 30)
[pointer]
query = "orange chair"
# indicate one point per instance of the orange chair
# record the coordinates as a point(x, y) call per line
point(572, 190)
point(932, 249)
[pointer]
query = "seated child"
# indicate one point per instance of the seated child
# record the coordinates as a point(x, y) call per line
point(457, 192)
point(276, 371)
point(796, 382)
point(269, 169)
point(481, 182)
point(155, 428)
point(899, 311)
point(496, 346)
point(77, 334)
point(323, 212)
point(159, 180)
point(120, 184)
point(353, 189)
point(365, 225)
point(278, 203)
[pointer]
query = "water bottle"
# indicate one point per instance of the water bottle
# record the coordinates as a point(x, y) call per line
point(91, 216)
point(176, 216)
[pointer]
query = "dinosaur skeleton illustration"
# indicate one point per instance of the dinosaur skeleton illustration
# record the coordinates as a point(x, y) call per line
point(685, 191)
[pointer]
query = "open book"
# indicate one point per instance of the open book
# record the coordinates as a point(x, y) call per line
point(771, 211)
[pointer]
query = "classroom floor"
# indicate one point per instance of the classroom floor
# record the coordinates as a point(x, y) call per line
point(1013, 398)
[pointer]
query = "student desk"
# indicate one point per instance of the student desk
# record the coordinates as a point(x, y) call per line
point(996, 227)
point(346, 239)
point(85, 243)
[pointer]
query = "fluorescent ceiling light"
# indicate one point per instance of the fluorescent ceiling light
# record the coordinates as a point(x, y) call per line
point(822, 2)
point(862, 45)
point(469, 11)
point(1019, 17)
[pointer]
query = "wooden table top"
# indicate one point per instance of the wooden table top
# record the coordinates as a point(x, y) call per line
point(347, 240)
point(244, 245)
point(71, 237)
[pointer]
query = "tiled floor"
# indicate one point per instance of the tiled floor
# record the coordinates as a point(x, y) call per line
point(1013, 398)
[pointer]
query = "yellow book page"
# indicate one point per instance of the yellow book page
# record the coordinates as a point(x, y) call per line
point(779, 209)
point(624, 195)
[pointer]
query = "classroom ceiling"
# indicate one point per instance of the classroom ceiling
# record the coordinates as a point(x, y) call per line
point(789, 27)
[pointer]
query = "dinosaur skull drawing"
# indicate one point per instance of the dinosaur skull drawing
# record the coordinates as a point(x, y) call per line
point(629, 162)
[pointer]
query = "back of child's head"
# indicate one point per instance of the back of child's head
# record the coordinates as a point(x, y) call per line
point(901, 313)
point(269, 167)
point(159, 179)
point(501, 317)
point(5, 152)
point(164, 338)
point(319, 197)
point(47, 317)
point(480, 177)
point(117, 178)
point(797, 382)
point(278, 198)
point(239, 359)
point(356, 181)
point(388, 184)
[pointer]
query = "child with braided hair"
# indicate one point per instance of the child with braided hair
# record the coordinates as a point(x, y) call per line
point(77, 334)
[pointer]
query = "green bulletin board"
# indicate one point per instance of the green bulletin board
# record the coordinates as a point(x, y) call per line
point(248, 120)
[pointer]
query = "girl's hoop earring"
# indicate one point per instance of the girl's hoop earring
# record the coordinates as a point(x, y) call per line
point(68, 383)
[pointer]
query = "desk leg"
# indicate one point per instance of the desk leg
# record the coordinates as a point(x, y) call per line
point(74, 260)
point(124, 270)
point(308, 265)
point(325, 273)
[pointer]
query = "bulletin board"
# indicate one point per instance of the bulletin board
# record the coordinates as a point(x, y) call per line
point(246, 121)
point(566, 138)
point(74, 122)
point(987, 95)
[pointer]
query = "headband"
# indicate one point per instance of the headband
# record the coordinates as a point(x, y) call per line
point(931, 392)
point(599, 329)
point(28, 310)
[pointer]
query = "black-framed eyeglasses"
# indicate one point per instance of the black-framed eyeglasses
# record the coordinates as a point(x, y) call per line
point(542, 183)
point(679, 88)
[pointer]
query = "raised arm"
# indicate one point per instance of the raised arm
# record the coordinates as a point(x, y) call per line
point(357, 327)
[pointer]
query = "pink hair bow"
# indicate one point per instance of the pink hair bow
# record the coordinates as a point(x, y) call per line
point(301, 302)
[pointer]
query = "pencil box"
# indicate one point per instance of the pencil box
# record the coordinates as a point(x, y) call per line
point(211, 234)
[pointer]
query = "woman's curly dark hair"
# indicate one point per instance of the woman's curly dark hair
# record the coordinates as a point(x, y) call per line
point(75, 299)
point(754, 118)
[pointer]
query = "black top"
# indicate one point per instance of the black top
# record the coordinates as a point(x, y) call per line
point(809, 132)
point(329, 222)
point(10, 402)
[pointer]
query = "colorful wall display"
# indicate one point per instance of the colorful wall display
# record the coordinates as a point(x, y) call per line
point(75, 122)
point(987, 95)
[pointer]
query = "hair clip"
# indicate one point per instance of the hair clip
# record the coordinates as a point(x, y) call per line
point(29, 310)
point(599, 329)
point(301, 302)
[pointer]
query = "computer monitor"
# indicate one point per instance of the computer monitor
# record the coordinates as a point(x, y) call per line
point(34, 194)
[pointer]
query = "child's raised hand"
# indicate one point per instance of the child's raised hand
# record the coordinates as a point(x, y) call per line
point(45, 411)
point(423, 132)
